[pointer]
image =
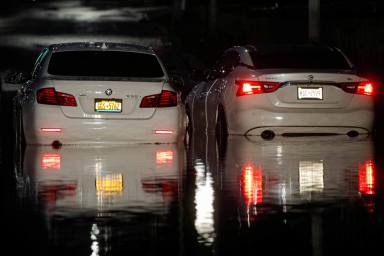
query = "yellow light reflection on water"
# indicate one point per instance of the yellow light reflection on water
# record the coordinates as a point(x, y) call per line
point(110, 183)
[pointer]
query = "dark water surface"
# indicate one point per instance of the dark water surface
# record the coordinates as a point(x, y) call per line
point(288, 196)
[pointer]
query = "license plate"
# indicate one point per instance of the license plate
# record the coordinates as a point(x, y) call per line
point(310, 93)
point(108, 105)
point(109, 183)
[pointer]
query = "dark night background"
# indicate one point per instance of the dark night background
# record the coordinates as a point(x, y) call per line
point(189, 35)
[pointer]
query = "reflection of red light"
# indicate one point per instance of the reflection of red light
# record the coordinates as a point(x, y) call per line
point(164, 132)
point(51, 129)
point(159, 185)
point(367, 178)
point(164, 157)
point(167, 187)
point(51, 192)
point(252, 184)
point(51, 161)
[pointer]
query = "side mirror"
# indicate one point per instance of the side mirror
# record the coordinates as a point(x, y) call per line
point(211, 74)
point(14, 77)
point(177, 81)
point(198, 75)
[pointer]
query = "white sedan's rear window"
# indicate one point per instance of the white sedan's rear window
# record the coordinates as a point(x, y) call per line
point(104, 64)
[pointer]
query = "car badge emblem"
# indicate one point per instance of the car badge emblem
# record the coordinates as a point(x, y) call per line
point(310, 78)
point(108, 92)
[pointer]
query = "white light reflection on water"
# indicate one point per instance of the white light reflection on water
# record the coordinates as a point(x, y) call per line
point(95, 244)
point(204, 200)
point(311, 176)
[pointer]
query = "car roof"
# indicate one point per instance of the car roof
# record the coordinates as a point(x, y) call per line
point(106, 46)
point(291, 47)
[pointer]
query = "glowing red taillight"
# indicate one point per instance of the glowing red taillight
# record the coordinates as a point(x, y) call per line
point(255, 87)
point(363, 88)
point(52, 97)
point(162, 100)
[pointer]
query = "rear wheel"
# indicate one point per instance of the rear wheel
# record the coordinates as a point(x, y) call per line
point(18, 126)
point(188, 129)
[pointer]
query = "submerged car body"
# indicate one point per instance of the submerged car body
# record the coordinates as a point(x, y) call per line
point(306, 89)
point(90, 93)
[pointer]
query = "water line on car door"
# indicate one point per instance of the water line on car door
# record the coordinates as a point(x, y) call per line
point(206, 106)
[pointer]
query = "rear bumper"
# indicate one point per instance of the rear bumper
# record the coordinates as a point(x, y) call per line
point(254, 122)
point(102, 131)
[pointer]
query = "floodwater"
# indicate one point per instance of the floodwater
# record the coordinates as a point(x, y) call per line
point(304, 195)
point(288, 196)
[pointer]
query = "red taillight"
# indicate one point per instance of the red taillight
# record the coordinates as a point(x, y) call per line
point(363, 88)
point(162, 100)
point(255, 87)
point(51, 97)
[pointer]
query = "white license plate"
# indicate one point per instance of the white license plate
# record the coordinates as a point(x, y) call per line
point(310, 93)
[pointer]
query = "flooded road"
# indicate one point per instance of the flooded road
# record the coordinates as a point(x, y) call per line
point(288, 196)
point(105, 200)
point(307, 196)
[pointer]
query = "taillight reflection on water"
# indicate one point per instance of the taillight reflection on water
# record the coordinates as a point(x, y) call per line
point(164, 157)
point(252, 184)
point(367, 178)
point(50, 161)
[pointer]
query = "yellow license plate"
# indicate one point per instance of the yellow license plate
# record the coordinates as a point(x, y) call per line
point(108, 105)
point(109, 183)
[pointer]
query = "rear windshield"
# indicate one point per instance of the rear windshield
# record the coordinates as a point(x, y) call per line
point(298, 58)
point(104, 64)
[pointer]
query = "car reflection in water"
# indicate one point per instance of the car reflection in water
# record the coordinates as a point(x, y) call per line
point(96, 199)
point(296, 194)
point(287, 172)
point(308, 195)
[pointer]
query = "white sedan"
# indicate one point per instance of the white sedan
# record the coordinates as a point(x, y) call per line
point(282, 90)
point(98, 93)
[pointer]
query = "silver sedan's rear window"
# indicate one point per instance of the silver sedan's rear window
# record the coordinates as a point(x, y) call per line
point(104, 64)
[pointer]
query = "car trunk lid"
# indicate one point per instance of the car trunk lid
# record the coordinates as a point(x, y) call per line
point(108, 99)
point(309, 90)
